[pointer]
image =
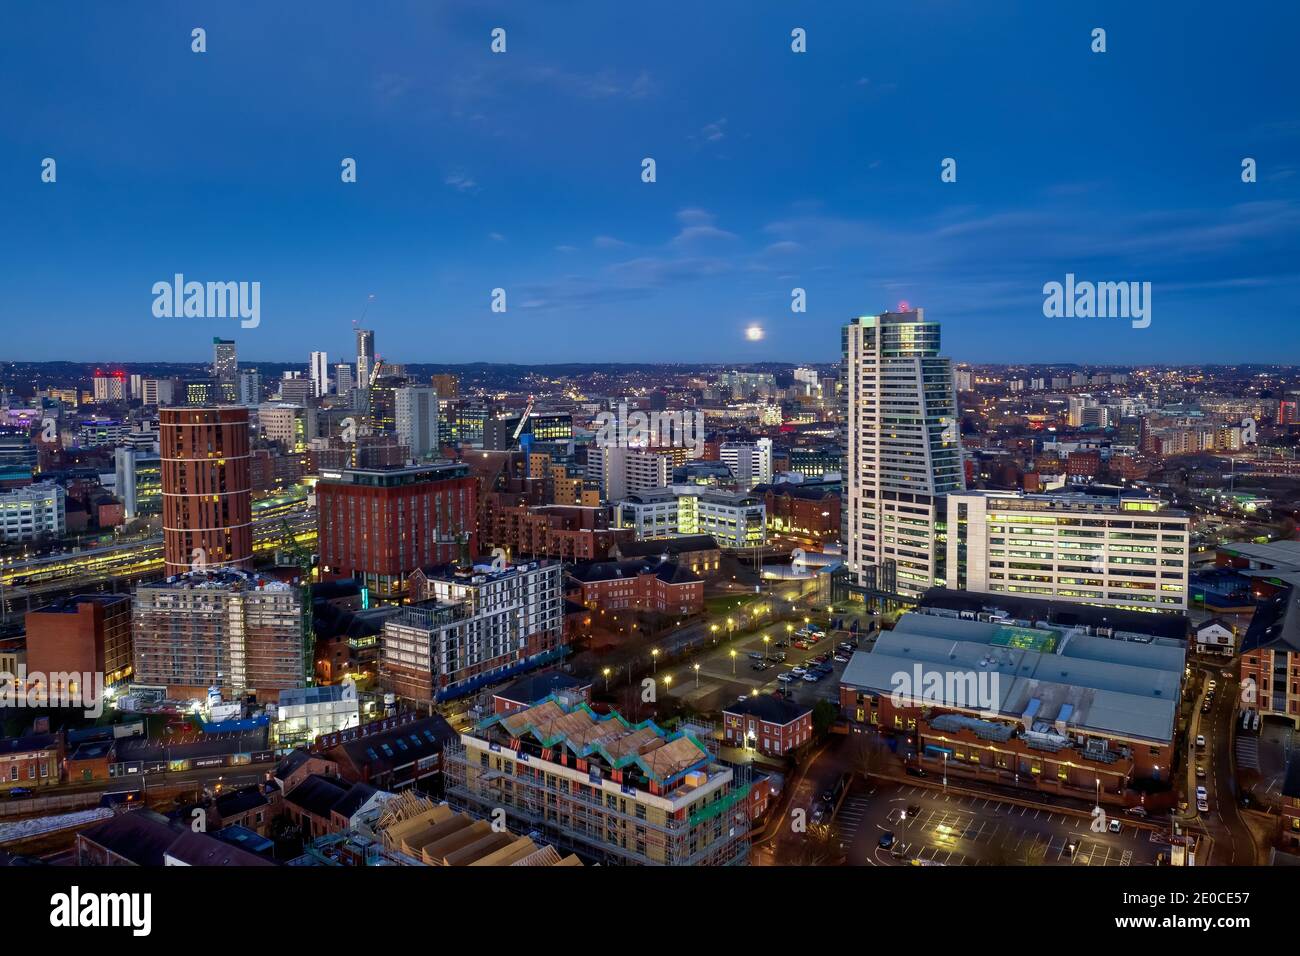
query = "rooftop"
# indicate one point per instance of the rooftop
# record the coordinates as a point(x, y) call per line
point(1096, 684)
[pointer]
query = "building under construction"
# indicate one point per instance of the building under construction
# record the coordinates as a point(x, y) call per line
point(223, 628)
point(611, 791)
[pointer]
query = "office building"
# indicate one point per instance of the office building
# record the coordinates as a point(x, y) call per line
point(415, 414)
point(158, 391)
point(293, 426)
point(109, 387)
point(138, 476)
point(227, 628)
point(343, 381)
point(207, 510)
point(33, 512)
point(378, 525)
point(225, 361)
point(619, 472)
point(902, 453)
point(750, 462)
point(734, 519)
point(320, 374)
point(1096, 545)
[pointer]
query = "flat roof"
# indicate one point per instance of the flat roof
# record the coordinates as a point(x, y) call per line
point(1096, 684)
point(1283, 555)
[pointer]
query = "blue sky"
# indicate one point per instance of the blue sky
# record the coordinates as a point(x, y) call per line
point(522, 171)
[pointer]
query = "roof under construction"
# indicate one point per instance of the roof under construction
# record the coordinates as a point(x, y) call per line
point(551, 722)
point(421, 831)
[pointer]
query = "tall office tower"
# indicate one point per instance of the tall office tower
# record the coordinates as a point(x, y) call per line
point(159, 391)
point(416, 415)
point(225, 370)
point(223, 628)
point(750, 462)
point(207, 508)
point(139, 481)
point(364, 363)
point(320, 374)
point(137, 386)
point(902, 453)
point(250, 387)
point(343, 383)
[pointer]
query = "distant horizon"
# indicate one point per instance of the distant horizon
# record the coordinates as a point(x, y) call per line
point(962, 157)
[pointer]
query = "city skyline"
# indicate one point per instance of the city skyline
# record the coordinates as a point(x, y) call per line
point(522, 171)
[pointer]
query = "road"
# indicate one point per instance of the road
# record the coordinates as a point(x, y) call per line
point(1233, 843)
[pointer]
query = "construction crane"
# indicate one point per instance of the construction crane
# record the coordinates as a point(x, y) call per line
point(519, 429)
point(374, 372)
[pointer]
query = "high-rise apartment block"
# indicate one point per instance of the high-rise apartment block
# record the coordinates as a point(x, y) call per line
point(207, 508)
point(902, 452)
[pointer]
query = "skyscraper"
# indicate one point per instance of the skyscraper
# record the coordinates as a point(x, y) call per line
point(343, 381)
point(902, 452)
point(364, 364)
point(320, 374)
point(207, 509)
point(225, 370)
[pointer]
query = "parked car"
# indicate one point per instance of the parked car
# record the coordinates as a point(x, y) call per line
point(1212, 685)
point(1138, 812)
point(812, 678)
point(886, 840)
point(755, 655)
point(840, 659)
point(1200, 772)
point(1200, 741)
point(916, 772)
point(758, 666)
point(1115, 826)
point(801, 645)
point(786, 678)
point(19, 793)
point(1203, 806)
point(798, 672)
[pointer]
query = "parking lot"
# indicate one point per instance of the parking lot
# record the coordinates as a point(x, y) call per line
point(939, 829)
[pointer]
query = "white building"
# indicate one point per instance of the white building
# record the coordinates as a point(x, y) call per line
point(750, 462)
point(415, 412)
point(291, 425)
point(320, 374)
point(32, 512)
point(305, 713)
point(620, 472)
point(1104, 546)
point(902, 451)
point(736, 520)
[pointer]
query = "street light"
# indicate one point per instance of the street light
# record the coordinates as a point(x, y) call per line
point(654, 659)
point(606, 672)
point(733, 663)
point(765, 640)
point(697, 676)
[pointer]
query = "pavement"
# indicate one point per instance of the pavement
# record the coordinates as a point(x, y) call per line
point(947, 829)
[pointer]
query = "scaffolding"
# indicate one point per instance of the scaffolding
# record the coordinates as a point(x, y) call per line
point(605, 824)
